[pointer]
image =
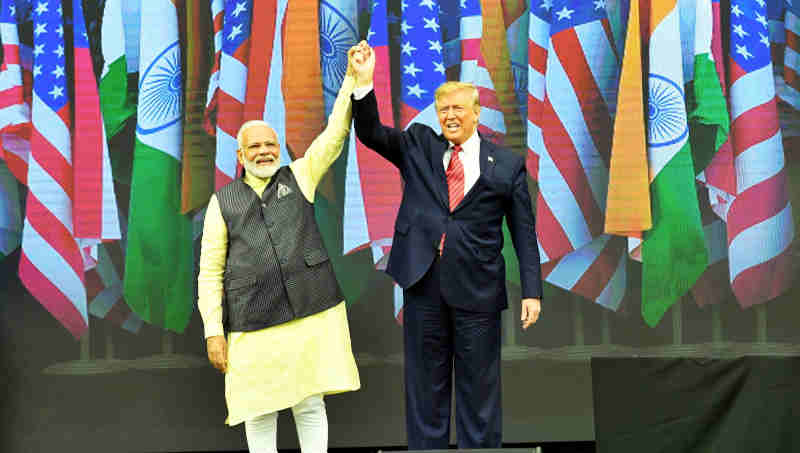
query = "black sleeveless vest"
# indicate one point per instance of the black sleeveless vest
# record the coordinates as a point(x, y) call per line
point(277, 268)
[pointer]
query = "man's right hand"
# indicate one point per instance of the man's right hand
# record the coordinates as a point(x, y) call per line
point(218, 352)
point(362, 59)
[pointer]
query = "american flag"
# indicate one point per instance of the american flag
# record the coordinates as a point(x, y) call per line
point(238, 83)
point(422, 65)
point(15, 89)
point(573, 70)
point(760, 225)
point(790, 92)
point(51, 266)
point(228, 82)
point(473, 69)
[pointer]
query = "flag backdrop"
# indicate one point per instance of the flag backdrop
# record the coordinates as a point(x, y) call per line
point(652, 136)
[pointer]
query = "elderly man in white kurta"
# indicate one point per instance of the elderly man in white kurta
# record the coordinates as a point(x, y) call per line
point(267, 284)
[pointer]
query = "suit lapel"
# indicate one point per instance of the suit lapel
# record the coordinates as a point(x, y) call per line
point(440, 183)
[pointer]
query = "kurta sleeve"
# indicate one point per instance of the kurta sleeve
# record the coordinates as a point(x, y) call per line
point(213, 252)
point(325, 149)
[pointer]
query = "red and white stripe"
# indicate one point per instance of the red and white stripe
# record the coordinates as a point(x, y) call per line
point(51, 266)
point(575, 121)
point(15, 92)
point(790, 92)
point(596, 270)
point(473, 69)
point(760, 226)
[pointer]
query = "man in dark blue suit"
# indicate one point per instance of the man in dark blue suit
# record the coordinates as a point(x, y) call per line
point(446, 254)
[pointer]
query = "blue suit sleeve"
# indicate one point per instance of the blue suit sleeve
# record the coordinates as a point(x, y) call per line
point(522, 226)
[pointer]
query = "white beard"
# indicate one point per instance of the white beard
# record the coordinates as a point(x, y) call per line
point(261, 172)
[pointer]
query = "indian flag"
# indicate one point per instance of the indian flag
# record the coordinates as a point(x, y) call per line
point(673, 252)
point(159, 260)
point(113, 86)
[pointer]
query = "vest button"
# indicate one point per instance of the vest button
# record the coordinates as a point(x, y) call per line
point(263, 205)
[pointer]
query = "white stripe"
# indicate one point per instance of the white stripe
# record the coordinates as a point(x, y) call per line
point(10, 78)
point(274, 105)
point(535, 139)
point(601, 59)
point(232, 77)
point(50, 193)
point(113, 35)
point(14, 114)
point(568, 109)
point(354, 223)
point(539, 31)
point(614, 291)
point(50, 125)
point(561, 201)
point(759, 162)
point(471, 27)
point(9, 34)
point(226, 153)
point(213, 85)
point(761, 242)
point(536, 83)
point(716, 235)
point(131, 19)
point(398, 299)
point(791, 96)
point(665, 49)
point(791, 59)
point(752, 90)
point(792, 22)
point(54, 267)
point(572, 266)
point(543, 257)
point(428, 117)
point(110, 220)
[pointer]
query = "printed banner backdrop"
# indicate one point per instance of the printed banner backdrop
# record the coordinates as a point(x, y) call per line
point(662, 144)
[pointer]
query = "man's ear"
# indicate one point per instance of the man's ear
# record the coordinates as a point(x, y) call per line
point(240, 156)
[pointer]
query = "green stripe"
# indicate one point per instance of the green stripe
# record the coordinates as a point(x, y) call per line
point(709, 123)
point(115, 103)
point(674, 250)
point(159, 259)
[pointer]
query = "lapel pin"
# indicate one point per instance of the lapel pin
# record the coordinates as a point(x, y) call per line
point(491, 159)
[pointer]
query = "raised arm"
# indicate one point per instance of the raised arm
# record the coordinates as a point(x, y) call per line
point(327, 147)
point(386, 141)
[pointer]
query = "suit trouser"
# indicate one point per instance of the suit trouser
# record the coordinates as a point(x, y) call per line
point(438, 339)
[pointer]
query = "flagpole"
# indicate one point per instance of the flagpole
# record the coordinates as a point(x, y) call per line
point(86, 365)
point(168, 358)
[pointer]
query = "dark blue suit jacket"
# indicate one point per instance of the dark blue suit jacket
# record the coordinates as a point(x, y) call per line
point(473, 269)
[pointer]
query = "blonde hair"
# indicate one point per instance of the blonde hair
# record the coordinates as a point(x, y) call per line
point(248, 125)
point(451, 87)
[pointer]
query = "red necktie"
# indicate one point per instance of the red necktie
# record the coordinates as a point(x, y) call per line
point(455, 184)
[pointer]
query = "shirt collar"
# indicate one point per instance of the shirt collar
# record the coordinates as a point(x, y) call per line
point(470, 145)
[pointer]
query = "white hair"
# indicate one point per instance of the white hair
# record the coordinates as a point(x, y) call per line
point(248, 125)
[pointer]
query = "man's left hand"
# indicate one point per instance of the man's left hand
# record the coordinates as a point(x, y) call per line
point(530, 311)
